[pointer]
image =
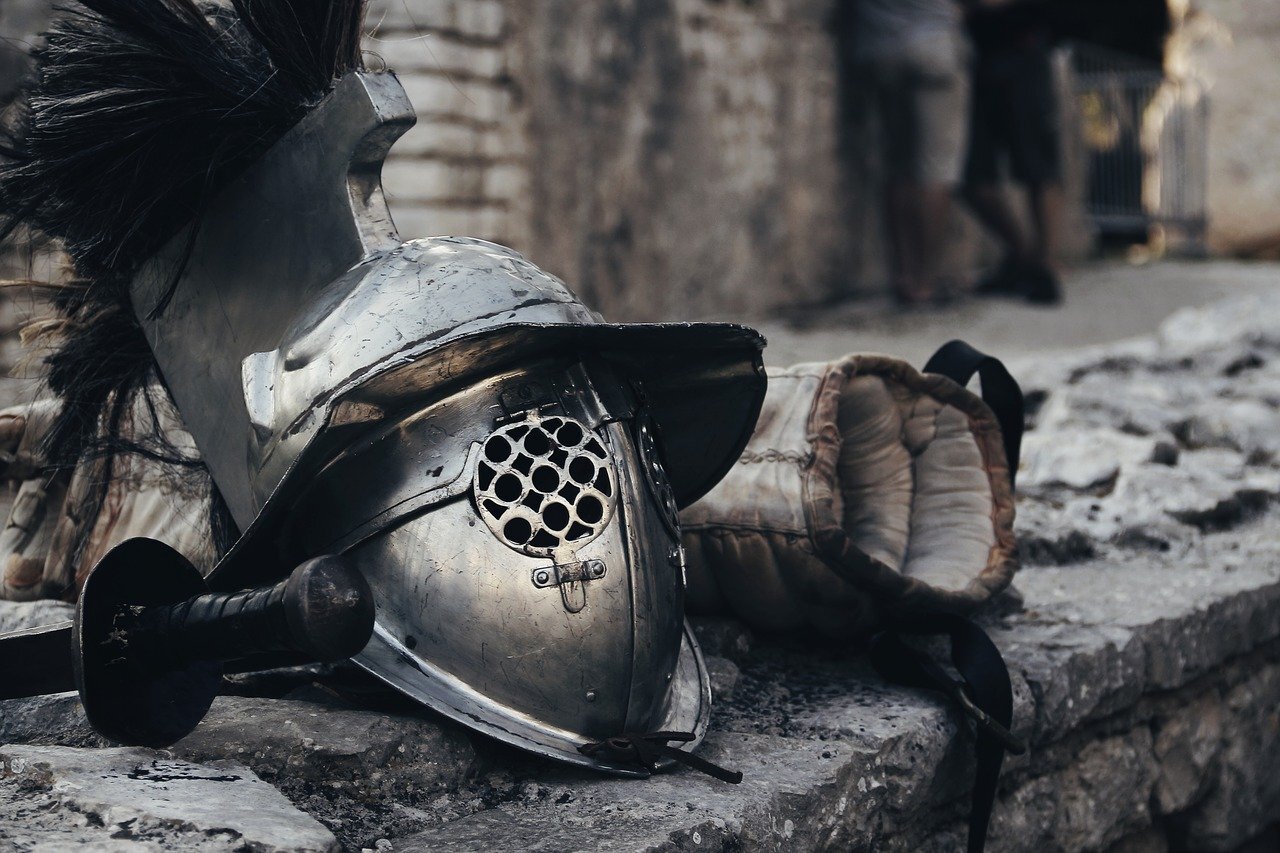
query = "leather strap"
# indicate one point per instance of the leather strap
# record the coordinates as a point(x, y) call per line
point(983, 692)
point(643, 751)
point(959, 362)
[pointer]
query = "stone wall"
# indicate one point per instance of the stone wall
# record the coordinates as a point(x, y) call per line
point(463, 168)
point(683, 152)
point(668, 158)
point(1231, 46)
point(671, 159)
point(680, 158)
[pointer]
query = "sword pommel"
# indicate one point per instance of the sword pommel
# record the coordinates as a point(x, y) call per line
point(150, 640)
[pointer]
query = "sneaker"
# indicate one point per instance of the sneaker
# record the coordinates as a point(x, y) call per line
point(1041, 287)
point(1005, 280)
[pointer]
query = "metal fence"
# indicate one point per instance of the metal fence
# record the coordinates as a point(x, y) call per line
point(1143, 139)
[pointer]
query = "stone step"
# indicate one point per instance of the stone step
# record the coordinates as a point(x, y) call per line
point(62, 798)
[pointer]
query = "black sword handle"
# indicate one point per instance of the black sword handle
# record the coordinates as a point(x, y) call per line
point(322, 611)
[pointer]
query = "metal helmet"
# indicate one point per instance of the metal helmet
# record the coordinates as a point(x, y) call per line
point(505, 468)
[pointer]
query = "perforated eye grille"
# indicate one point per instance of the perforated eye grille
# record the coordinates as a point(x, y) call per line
point(544, 483)
point(657, 475)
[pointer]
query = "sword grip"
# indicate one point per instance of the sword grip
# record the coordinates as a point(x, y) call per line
point(323, 611)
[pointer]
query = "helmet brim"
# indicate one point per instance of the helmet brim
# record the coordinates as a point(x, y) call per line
point(702, 383)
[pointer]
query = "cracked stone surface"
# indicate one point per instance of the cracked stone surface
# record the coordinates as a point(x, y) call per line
point(20, 615)
point(1146, 445)
point(1145, 655)
point(59, 797)
point(370, 756)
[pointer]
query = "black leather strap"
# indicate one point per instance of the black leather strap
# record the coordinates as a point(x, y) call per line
point(983, 692)
point(959, 362)
point(643, 751)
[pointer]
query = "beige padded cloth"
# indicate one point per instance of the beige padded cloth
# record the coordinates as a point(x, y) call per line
point(145, 498)
point(868, 489)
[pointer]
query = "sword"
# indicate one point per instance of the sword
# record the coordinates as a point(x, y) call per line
point(148, 643)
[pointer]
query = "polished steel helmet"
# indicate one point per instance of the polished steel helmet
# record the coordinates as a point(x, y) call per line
point(505, 468)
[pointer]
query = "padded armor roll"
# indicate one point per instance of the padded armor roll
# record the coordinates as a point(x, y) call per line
point(868, 491)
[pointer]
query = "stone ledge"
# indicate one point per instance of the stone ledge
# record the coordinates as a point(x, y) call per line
point(835, 760)
point(1111, 662)
point(56, 797)
point(1145, 661)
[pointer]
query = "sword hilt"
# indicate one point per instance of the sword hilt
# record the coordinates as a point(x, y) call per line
point(150, 639)
point(323, 612)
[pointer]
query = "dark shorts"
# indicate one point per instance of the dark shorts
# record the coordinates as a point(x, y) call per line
point(1014, 117)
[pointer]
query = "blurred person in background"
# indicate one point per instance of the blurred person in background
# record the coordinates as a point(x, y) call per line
point(911, 61)
point(1015, 119)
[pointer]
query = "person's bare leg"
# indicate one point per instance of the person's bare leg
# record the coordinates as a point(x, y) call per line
point(1046, 212)
point(895, 231)
point(904, 224)
point(1042, 285)
point(991, 205)
point(935, 219)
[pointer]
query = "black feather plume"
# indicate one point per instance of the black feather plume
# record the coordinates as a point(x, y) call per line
point(140, 111)
point(310, 42)
point(144, 107)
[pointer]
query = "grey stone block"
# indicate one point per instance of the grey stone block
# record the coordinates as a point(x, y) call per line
point(1186, 747)
point(57, 797)
point(1101, 798)
point(20, 615)
point(1081, 458)
point(477, 19)
point(56, 720)
point(1243, 786)
point(724, 637)
point(368, 756)
point(724, 675)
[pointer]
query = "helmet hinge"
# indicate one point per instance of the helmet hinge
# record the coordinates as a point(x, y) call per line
point(572, 579)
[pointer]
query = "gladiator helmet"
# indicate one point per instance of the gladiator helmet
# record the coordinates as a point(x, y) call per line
point(505, 469)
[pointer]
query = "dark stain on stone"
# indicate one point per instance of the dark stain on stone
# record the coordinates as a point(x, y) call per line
point(126, 829)
point(1228, 512)
point(1118, 365)
point(1032, 402)
point(153, 774)
point(1072, 547)
point(1140, 539)
point(1250, 361)
point(1165, 453)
